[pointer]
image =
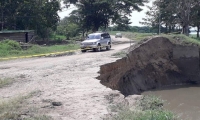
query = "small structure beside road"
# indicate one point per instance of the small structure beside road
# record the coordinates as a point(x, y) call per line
point(18, 35)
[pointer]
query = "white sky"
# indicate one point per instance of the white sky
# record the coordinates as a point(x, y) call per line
point(136, 17)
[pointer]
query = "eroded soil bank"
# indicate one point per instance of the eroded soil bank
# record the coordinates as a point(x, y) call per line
point(154, 63)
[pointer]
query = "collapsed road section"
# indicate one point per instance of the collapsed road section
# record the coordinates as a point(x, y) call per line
point(154, 63)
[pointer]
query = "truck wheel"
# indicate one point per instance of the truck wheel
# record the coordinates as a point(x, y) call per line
point(108, 47)
point(98, 49)
point(83, 51)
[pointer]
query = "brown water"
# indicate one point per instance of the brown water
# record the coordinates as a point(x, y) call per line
point(184, 101)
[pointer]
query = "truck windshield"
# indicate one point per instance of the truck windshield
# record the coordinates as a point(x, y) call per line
point(93, 37)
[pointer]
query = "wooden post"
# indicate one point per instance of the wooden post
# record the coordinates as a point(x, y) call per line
point(2, 17)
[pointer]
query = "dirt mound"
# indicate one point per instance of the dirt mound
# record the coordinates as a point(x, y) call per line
point(155, 63)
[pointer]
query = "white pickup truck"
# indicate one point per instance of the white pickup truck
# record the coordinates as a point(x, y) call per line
point(96, 41)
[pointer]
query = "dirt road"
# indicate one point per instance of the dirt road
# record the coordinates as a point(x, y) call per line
point(67, 79)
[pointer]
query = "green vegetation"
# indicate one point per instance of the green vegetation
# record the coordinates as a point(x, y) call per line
point(182, 39)
point(90, 15)
point(101, 13)
point(175, 38)
point(6, 81)
point(57, 37)
point(147, 108)
point(132, 35)
point(137, 29)
point(9, 48)
point(14, 109)
point(39, 15)
point(171, 13)
point(120, 54)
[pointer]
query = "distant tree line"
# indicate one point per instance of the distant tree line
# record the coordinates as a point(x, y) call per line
point(174, 15)
point(140, 29)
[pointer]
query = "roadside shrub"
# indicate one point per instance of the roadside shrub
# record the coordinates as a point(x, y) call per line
point(10, 45)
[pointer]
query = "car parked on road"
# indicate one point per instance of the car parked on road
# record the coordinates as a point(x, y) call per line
point(118, 35)
point(96, 41)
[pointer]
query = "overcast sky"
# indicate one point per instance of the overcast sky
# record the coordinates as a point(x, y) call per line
point(135, 18)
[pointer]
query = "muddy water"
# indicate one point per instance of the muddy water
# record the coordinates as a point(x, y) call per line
point(184, 101)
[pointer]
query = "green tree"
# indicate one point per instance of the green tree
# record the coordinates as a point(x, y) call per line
point(38, 15)
point(69, 26)
point(152, 17)
point(123, 24)
point(183, 9)
point(173, 13)
point(99, 13)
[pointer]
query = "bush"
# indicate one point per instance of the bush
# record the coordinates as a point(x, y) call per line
point(10, 45)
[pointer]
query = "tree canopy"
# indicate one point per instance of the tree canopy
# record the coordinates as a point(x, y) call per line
point(172, 14)
point(100, 13)
point(38, 15)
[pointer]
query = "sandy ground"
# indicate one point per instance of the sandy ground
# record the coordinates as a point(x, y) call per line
point(67, 79)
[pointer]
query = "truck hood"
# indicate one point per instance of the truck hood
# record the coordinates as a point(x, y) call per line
point(88, 41)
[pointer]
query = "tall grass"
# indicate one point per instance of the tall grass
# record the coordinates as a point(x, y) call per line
point(36, 49)
point(9, 48)
point(6, 81)
point(14, 109)
point(146, 108)
point(182, 39)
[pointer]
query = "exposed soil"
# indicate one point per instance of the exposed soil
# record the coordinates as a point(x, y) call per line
point(68, 86)
point(155, 63)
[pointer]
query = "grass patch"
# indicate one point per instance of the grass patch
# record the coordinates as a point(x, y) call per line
point(13, 109)
point(133, 36)
point(58, 37)
point(182, 39)
point(9, 48)
point(137, 36)
point(48, 49)
point(6, 81)
point(120, 54)
point(175, 38)
point(147, 108)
